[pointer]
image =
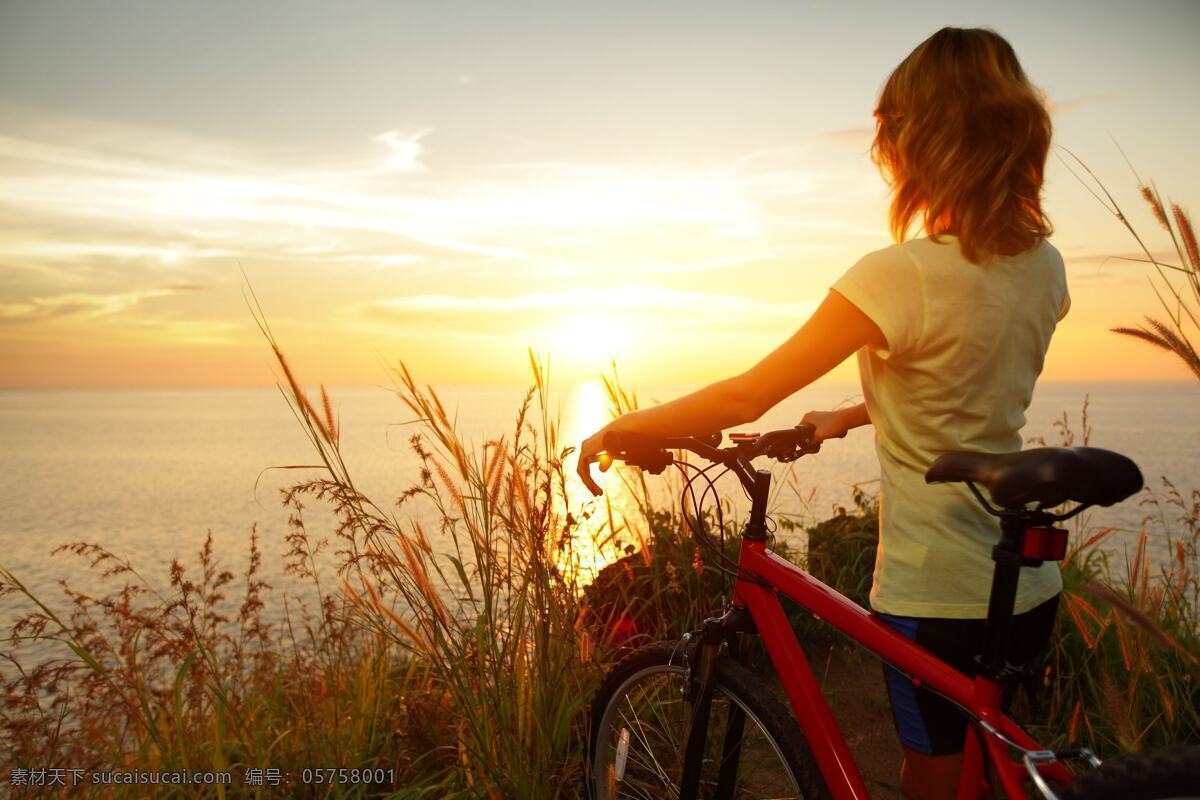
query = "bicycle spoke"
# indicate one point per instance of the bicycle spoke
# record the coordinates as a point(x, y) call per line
point(665, 726)
point(642, 793)
point(649, 750)
point(654, 791)
point(635, 758)
point(650, 714)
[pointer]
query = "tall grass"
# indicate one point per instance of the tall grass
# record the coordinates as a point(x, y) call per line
point(1181, 304)
point(1124, 671)
point(461, 656)
point(1128, 651)
point(192, 676)
point(495, 623)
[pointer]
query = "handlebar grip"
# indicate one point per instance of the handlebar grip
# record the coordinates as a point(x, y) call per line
point(638, 450)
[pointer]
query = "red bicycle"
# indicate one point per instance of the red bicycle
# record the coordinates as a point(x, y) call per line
point(689, 719)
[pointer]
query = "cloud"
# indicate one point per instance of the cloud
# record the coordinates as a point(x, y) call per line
point(1082, 101)
point(186, 331)
point(81, 304)
point(166, 254)
point(686, 266)
point(856, 136)
point(540, 215)
point(629, 299)
point(109, 211)
point(572, 317)
point(1111, 269)
point(406, 148)
point(236, 207)
point(1129, 259)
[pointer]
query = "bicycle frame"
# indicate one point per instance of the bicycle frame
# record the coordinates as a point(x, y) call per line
point(756, 609)
point(980, 697)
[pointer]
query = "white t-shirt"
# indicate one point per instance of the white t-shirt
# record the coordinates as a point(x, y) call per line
point(966, 343)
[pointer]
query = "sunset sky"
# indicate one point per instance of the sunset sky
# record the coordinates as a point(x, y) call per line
point(672, 184)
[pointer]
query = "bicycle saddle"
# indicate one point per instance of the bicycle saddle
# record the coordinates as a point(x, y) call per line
point(1047, 476)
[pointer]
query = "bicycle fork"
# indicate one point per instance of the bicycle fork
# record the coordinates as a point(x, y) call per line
point(736, 627)
point(700, 686)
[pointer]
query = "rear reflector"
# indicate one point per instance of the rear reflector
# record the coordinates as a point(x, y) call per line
point(1044, 544)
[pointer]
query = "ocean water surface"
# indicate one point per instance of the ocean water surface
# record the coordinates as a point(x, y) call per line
point(148, 473)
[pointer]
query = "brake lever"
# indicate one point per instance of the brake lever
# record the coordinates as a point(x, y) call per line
point(792, 454)
point(795, 452)
point(783, 446)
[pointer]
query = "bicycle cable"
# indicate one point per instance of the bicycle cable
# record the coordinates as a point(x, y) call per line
point(695, 522)
point(698, 514)
point(720, 560)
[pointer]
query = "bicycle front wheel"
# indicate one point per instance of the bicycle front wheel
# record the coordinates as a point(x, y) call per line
point(640, 724)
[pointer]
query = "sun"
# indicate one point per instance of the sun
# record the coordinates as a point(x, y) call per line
point(590, 340)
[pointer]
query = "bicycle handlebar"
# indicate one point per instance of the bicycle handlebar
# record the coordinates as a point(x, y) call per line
point(653, 453)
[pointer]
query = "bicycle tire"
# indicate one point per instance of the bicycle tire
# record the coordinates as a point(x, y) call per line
point(1172, 772)
point(772, 732)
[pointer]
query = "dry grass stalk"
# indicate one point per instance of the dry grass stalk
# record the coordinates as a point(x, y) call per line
point(1182, 310)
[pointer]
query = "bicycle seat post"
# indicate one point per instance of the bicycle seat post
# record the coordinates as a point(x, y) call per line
point(993, 662)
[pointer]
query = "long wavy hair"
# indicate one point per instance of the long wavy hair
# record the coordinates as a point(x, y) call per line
point(961, 136)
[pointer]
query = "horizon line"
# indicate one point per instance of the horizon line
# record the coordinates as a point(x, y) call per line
point(507, 385)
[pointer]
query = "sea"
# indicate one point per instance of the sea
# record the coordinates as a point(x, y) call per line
point(149, 474)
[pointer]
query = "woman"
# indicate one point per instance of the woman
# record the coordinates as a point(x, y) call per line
point(950, 330)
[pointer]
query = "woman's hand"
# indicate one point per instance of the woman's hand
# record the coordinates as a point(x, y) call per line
point(592, 450)
point(828, 424)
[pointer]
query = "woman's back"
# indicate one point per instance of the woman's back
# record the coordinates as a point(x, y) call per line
point(966, 343)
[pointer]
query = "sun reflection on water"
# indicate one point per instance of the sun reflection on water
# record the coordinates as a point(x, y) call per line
point(594, 543)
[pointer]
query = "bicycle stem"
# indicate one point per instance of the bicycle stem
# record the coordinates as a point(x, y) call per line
point(756, 528)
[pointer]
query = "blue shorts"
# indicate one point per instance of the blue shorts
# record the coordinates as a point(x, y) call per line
point(929, 723)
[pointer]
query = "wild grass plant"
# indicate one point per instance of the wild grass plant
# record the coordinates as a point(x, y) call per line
point(1124, 670)
point(1179, 296)
point(191, 675)
point(493, 617)
point(1128, 653)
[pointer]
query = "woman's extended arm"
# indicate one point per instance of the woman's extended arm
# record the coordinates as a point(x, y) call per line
point(836, 330)
point(834, 424)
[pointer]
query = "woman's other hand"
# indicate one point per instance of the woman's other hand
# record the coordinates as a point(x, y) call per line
point(592, 451)
point(828, 424)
